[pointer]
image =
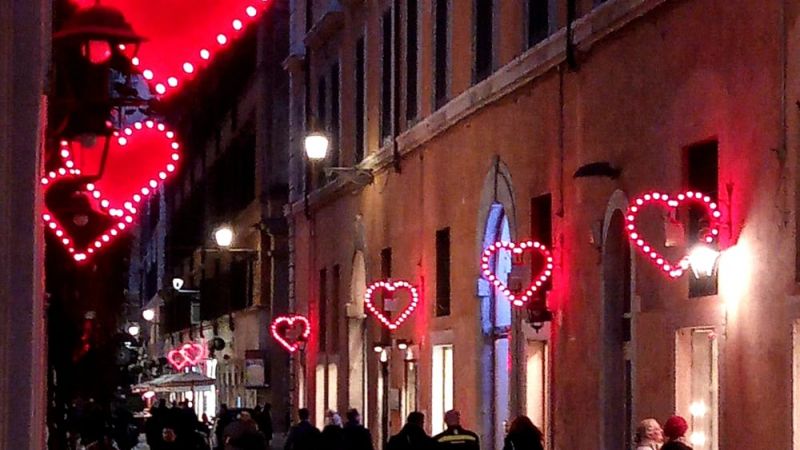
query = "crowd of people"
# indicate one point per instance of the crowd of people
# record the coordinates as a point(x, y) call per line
point(352, 435)
point(650, 435)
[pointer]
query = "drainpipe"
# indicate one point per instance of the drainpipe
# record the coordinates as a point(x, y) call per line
point(572, 61)
point(396, 85)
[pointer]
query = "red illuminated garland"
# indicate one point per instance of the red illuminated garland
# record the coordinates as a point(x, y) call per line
point(164, 82)
point(122, 213)
point(677, 269)
point(189, 354)
point(517, 248)
point(391, 286)
point(282, 324)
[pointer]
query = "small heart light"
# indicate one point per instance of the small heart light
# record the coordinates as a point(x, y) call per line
point(282, 325)
point(672, 268)
point(391, 287)
point(189, 354)
point(537, 281)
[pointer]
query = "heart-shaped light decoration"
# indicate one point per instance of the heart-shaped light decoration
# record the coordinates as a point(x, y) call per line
point(677, 268)
point(139, 159)
point(282, 325)
point(537, 281)
point(182, 36)
point(391, 287)
point(189, 354)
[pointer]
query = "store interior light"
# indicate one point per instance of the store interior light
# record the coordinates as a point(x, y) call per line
point(703, 260)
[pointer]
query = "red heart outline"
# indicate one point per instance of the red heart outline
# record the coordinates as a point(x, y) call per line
point(391, 286)
point(283, 323)
point(517, 248)
point(678, 268)
point(188, 355)
point(123, 213)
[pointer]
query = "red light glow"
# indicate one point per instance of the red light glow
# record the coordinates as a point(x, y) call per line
point(189, 354)
point(537, 280)
point(181, 32)
point(391, 287)
point(283, 325)
point(673, 269)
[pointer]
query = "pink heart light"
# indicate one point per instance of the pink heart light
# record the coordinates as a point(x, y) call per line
point(537, 280)
point(391, 287)
point(282, 325)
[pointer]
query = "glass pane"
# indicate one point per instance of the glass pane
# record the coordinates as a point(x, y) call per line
point(333, 379)
point(319, 403)
point(535, 387)
point(442, 385)
point(501, 394)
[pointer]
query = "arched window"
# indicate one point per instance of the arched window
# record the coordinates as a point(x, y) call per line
point(496, 328)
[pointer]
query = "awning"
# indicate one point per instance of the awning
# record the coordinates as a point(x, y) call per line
point(177, 382)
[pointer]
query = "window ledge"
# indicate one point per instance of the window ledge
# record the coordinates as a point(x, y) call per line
point(330, 22)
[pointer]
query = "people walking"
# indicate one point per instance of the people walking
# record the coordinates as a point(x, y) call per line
point(523, 435)
point(244, 434)
point(649, 435)
point(412, 436)
point(456, 437)
point(675, 432)
point(356, 436)
point(303, 436)
point(333, 434)
point(264, 421)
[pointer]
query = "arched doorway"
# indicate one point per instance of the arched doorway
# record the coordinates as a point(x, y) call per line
point(496, 325)
point(616, 379)
point(356, 340)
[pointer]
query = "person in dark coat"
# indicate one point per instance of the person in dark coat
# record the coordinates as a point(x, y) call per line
point(356, 436)
point(456, 437)
point(675, 432)
point(523, 435)
point(244, 434)
point(333, 435)
point(223, 420)
point(303, 436)
point(412, 436)
point(264, 421)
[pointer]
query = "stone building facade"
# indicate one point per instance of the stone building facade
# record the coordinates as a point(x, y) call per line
point(490, 120)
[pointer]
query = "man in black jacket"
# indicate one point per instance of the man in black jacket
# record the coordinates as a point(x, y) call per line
point(303, 436)
point(356, 436)
point(455, 437)
point(412, 436)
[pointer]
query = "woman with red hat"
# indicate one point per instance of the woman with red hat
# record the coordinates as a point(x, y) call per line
point(675, 431)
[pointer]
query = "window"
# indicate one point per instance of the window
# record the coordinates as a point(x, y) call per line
point(702, 174)
point(320, 397)
point(322, 99)
point(536, 388)
point(538, 21)
point(542, 231)
point(441, 50)
point(334, 156)
point(410, 382)
point(386, 262)
point(443, 272)
point(483, 38)
point(386, 76)
point(441, 385)
point(323, 310)
point(411, 59)
point(697, 385)
point(360, 98)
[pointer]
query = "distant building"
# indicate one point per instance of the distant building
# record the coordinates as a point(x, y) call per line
point(487, 120)
point(233, 121)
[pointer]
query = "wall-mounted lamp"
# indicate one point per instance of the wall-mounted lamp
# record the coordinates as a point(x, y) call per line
point(223, 236)
point(149, 314)
point(703, 260)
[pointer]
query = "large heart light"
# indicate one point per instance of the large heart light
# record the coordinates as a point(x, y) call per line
point(282, 325)
point(139, 159)
point(189, 354)
point(391, 287)
point(182, 35)
point(672, 268)
point(537, 280)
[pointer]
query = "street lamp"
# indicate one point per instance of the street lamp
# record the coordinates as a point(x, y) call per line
point(703, 260)
point(223, 236)
point(149, 314)
point(316, 145)
point(134, 329)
